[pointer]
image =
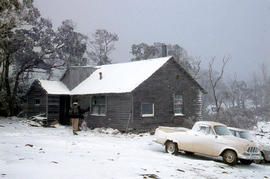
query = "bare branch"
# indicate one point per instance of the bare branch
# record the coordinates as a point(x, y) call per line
point(215, 82)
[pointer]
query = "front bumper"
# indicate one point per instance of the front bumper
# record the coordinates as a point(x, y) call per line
point(250, 156)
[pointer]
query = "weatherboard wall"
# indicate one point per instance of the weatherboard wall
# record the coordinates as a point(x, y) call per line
point(159, 89)
point(53, 107)
point(36, 92)
point(118, 111)
point(49, 104)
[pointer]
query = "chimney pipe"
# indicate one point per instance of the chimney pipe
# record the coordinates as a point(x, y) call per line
point(164, 50)
point(100, 75)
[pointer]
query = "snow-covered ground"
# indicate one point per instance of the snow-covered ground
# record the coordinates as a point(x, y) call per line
point(36, 152)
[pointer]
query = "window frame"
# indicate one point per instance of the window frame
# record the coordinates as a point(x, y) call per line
point(99, 106)
point(148, 115)
point(181, 105)
point(35, 100)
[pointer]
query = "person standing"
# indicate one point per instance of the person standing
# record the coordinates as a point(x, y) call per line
point(75, 115)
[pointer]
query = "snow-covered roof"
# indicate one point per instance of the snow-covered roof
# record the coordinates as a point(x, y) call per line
point(119, 78)
point(54, 87)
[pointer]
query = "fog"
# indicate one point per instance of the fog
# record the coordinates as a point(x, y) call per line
point(205, 28)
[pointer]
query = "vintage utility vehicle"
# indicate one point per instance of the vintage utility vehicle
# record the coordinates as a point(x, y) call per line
point(244, 134)
point(208, 138)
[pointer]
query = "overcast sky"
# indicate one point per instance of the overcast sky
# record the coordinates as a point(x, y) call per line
point(205, 28)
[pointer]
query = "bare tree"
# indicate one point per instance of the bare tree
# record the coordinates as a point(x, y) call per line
point(101, 46)
point(214, 81)
point(195, 64)
point(238, 93)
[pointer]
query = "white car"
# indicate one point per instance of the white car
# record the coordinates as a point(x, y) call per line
point(208, 138)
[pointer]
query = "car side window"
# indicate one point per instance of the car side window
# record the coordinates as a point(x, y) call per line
point(233, 132)
point(211, 131)
point(205, 130)
point(201, 129)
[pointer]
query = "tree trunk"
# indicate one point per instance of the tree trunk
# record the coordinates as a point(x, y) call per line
point(6, 65)
point(14, 94)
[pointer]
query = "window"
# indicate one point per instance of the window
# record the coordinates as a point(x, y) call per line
point(37, 102)
point(206, 130)
point(178, 105)
point(233, 132)
point(99, 105)
point(147, 109)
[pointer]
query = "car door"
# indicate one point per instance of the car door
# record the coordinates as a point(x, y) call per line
point(206, 141)
point(196, 140)
point(189, 141)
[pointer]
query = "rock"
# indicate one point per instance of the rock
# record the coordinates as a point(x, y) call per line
point(180, 170)
point(154, 176)
point(222, 167)
point(29, 145)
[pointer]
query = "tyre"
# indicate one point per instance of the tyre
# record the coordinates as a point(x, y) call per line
point(246, 162)
point(264, 159)
point(229, 157)
point(171, 148)
point(261, 161)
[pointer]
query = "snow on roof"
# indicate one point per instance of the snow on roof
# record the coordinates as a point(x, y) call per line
point(54, 87)
point(119, 78)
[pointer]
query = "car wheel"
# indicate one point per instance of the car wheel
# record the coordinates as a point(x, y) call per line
point(229, 157)
point(246, 162)
point(264, 159)
point(259, 161)
point(171, 148)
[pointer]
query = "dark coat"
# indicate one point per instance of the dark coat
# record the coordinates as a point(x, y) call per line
point(75, 112)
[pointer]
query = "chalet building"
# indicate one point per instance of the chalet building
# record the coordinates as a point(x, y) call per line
point(138, 95)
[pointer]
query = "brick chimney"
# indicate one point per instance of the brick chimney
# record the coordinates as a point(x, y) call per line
point(164, 50)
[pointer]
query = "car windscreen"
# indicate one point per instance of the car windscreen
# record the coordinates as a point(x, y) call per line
point(222, 130)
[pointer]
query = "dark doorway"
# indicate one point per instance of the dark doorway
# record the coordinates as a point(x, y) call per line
point(64, 108)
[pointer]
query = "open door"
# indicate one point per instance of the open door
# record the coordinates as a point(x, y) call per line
point(64, 108)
